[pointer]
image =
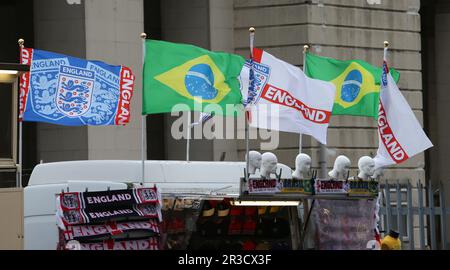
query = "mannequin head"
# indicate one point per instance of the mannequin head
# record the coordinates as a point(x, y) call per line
point(341, 168)
point(254, 161)
point(366, 167)
point(269, 164)
point(302, 166)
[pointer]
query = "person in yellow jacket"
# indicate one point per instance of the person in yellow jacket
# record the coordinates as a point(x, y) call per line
point(391, 241)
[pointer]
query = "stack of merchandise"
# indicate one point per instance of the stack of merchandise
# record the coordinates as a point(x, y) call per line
point(227, 227)
point(180, 217)
point(126, 219)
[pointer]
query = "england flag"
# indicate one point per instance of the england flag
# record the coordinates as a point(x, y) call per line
point(285, 99)
point(400, 135)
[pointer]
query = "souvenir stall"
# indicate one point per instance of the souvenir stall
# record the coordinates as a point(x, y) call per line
point(339, 212)
point(213, 217)
point(202, 204)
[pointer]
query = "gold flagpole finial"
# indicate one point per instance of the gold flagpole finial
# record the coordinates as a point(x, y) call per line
point(386, 43)
point(21, 42)
point(251, 30)
point(143, 35)
point(305, 48)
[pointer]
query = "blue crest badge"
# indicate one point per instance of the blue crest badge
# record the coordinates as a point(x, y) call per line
point(74, 90)
point(257, 80)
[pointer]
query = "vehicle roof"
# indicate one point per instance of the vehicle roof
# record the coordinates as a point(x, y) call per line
point(174, 175)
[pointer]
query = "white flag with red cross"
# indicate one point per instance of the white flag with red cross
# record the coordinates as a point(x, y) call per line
point(286, 99)
point(400, 134)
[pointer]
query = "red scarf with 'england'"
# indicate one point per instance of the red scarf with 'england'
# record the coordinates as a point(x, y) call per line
point(108, 199)
point(145, 244)
point(109, 229)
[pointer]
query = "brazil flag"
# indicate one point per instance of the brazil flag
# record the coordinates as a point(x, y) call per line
point(357, 83)
point(184, 74)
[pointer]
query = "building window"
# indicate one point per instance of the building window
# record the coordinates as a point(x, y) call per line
point(8, 122)
point(5, 120)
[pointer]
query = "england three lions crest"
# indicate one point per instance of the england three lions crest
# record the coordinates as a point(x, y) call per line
point(261, 75)
point(74, 90)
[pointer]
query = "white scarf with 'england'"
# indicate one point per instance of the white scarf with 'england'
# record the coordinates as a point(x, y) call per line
point(286, 99)
point(400, 135)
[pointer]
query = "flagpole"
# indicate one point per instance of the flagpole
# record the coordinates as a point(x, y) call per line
point(188, 139)
point(300, 136)
point(247, 146)
point(386, 46)
point(322, 147)
point(143, 118)
point(21, 42)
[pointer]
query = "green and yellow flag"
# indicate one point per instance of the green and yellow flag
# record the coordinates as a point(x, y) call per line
point(184, 74)
point(357, 83)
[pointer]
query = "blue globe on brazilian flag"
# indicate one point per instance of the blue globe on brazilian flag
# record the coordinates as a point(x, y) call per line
point(357, 83)
point(185, 74)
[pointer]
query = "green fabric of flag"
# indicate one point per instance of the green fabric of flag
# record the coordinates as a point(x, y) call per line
point(357, 83)
point(185, 74)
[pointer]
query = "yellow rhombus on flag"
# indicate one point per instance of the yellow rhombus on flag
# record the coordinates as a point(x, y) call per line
point(357, 83)
point(176, 79)
point(184, 74)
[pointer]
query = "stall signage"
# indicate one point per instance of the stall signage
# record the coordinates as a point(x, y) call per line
point(323, 186)
point(262, 185)
point(363, 188)
point(304, 186)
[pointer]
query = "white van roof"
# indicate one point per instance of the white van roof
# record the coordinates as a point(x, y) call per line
point(170, 176)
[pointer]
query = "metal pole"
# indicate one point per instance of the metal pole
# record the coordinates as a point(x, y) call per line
point(322, 152)
point(247, 146)
point(443, 216)
point(323, 160)
point(20, 154)
point(432, 221)
point(388, 206)
point(300, 136)
point(188, 139)
point(421, 225)
point(295, 230)
point(399, 210)
point(21, 45)
point(410, 218)
point(143, 119)
point(143, 146)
